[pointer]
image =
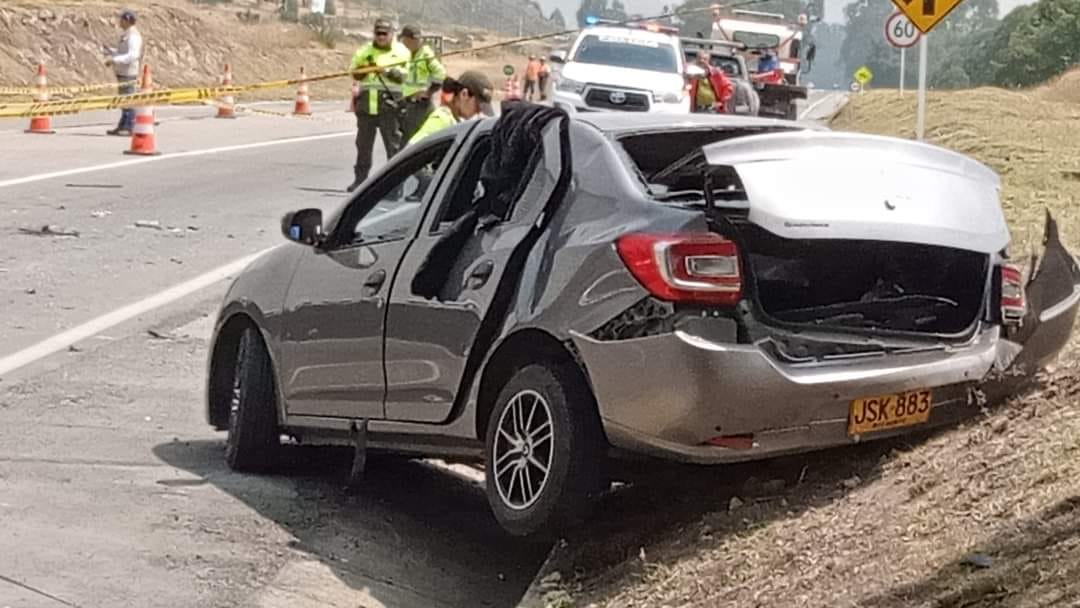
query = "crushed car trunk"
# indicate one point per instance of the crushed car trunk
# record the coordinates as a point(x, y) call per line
point(864, 285)
point(860, 233)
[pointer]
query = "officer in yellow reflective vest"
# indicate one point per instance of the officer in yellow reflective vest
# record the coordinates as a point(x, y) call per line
point(379, 104)
point(425, 76)
point(468, 95)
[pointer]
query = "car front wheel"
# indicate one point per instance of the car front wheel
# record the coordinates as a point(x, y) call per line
point(544, 451)
point(254, 438)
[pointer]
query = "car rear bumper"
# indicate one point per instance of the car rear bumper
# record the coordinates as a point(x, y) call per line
point(668, 395)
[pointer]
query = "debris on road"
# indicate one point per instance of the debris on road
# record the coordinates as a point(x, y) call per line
point(30, 291)
point(157, 335)
point(154, 224)
point(50, 230)
point(93, 186)
point(979, 560)
point(100, 214)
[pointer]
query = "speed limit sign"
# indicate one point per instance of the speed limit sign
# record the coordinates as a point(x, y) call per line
point(900, 32)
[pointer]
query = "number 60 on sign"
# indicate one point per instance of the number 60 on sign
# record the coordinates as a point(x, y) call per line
point(900, 31)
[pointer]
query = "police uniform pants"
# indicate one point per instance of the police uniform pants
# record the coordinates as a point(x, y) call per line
point(388, 123)
point(414, 115)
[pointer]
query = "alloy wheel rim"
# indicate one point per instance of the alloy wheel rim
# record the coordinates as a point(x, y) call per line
point(523, 451)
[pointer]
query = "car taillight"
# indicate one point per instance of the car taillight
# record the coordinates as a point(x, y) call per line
point(701, 268)
point(1013, 302)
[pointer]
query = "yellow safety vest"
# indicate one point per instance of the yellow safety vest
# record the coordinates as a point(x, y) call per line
point(439, 119)
point(424, 69)
point(372, 84)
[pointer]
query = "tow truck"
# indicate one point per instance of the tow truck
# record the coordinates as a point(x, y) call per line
point(758, 33)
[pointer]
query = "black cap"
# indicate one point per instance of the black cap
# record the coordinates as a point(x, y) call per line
point(411, 31)
point(384, 25)
point(128, 15)
point(477, 84)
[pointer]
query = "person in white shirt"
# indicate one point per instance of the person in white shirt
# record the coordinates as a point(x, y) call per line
point(126, 62)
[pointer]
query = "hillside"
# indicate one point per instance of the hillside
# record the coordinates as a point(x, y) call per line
point(985, 514)
point(186, 44)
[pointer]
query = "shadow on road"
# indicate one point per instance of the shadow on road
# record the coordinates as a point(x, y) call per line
point(415, 535)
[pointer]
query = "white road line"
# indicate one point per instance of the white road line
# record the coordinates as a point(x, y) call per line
point(817, 103)
point(153, 159)
point(65, 339)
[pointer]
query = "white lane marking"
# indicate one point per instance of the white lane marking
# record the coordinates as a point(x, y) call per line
point(817, 103)
point(152, 159)
point(65, 339)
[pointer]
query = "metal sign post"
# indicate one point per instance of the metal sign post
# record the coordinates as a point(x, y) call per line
point(924, 14)
point(903, 71)
point(920, 120)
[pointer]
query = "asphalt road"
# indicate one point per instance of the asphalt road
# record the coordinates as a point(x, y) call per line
point(113, 491)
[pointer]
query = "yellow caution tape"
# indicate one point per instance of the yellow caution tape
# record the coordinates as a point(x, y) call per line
point(66, 90)
point(195, 95)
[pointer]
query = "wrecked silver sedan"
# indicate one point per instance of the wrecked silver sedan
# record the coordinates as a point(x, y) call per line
point(543, 292)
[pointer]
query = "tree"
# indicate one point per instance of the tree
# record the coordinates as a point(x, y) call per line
point(955, 43)
point(600, 9)
point(557, 20)
point(1035, 43)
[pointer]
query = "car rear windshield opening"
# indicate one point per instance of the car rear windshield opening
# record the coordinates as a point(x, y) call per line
point(651, 153)
point(625, 52)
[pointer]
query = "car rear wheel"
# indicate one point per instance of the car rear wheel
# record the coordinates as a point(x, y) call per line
point(544, 451)
point(254, 439)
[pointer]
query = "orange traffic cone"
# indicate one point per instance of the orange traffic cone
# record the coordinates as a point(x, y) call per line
point(143, 140)
point(355, 96)
point(41, 124)
point(303, 100)
point(227, 105)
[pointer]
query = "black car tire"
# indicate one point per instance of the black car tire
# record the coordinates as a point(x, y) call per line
point(575, 469)
point(254, 439)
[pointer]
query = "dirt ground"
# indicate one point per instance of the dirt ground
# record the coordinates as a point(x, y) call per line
point(186, 46)
point(985, 514)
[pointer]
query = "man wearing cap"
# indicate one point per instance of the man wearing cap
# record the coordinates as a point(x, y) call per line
point(125, 61)
point(466, 97)
point(425, 76)
point(379, 105)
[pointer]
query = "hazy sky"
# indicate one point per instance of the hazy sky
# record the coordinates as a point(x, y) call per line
point(834, 9)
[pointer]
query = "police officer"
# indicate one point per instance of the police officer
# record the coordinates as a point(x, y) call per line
point(425, 76)
point(379, 105)
point(466, 96)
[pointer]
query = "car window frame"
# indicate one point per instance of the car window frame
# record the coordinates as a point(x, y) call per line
point(436, 227)
point(342, 235)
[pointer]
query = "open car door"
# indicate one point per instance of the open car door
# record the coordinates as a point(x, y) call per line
point(457, 281)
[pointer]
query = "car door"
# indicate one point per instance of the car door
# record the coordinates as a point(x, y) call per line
point(428, 341)
point(334, 314)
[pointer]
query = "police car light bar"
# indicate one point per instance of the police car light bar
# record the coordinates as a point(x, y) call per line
point(652, 27)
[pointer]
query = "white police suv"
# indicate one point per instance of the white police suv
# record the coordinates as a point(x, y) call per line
point(623, 68)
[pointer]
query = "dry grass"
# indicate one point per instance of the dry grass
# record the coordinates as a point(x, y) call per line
point(1029, 140)
point(891, 524)
point(187, 45)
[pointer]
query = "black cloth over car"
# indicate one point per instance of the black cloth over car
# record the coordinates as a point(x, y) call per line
point(517, 145)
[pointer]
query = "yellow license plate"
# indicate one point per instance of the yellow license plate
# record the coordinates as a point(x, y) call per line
point(889, 411)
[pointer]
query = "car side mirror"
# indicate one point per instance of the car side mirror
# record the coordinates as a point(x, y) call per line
point(557, 57)
point(303, 226)
point(695, 71)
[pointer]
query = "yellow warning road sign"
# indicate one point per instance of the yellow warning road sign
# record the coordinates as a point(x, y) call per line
point(863, 75)
point(925, 14)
